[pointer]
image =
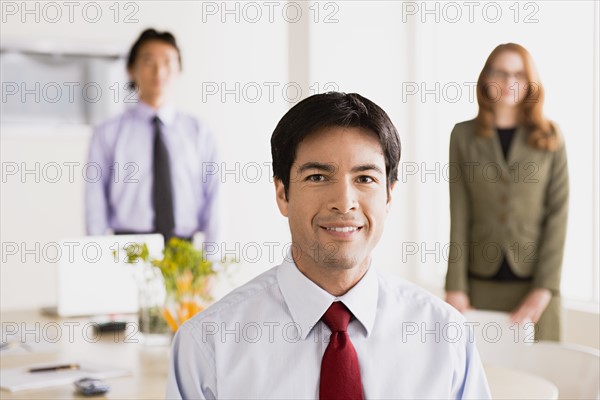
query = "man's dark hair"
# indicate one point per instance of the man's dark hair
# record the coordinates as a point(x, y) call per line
point(147, 36)
point(327, 110)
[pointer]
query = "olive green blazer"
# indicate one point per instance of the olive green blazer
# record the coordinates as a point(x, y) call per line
point(515, 208)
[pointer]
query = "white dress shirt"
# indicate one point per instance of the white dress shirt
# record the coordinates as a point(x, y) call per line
point(265, 340)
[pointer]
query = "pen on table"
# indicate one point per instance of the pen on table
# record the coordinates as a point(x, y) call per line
point(55, 368)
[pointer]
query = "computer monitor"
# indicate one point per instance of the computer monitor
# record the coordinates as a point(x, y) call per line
point(93, 277)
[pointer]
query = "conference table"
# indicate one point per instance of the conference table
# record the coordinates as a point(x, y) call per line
point(79, 343)
point(53, 340)
point(508, 383)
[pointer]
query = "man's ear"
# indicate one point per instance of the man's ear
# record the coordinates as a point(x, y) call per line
point(281, 198)
point(130, 74)
point(388, 204)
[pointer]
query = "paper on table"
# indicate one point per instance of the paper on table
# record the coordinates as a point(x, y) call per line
point(15, 379)
point(14, 347)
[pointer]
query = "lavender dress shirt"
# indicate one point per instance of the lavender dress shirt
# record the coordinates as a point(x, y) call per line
point(119, 174)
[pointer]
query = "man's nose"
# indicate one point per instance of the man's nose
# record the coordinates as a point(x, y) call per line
point(161, 70)
point(344, 197)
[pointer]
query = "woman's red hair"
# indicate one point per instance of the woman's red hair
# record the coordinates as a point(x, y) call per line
point(542, 132)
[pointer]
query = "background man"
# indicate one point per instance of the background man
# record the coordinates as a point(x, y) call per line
point(151, 156)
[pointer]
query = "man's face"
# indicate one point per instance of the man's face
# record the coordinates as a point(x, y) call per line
point(156, 68)
point(337, 199)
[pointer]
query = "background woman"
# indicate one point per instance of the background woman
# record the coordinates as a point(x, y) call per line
point(508, 198)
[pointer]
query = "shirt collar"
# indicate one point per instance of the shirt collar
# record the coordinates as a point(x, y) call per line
point(166, 112)
point(361, 300)
point(308, 302)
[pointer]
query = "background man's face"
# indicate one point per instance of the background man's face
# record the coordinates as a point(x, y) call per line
point(337, 199)
point(156, 68)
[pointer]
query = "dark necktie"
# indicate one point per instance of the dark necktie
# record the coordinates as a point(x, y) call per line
point(340, 372)
point(162, 191)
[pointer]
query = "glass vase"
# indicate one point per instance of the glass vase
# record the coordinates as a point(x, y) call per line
point(152, 326)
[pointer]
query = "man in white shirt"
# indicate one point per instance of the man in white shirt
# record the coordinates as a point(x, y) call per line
point(324, 324)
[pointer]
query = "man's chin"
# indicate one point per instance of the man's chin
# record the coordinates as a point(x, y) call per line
point(340, 261)
point(332, 255)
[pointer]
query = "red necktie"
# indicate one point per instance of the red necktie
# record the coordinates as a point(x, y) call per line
point(340, 372)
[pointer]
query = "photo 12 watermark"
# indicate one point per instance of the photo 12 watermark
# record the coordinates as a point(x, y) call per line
point(523, 252)
point(27, 335)
point(263, 92)
point(53, 12)
point(252, 332)
point(261, 172)
point(490, 172)
point(52, 92)
point(68, 92)
point(69, 172)
point(457, 92)
point(453, 12)
point(92, 251)
point(413, 332)
point(252, 12)
point(522, 249)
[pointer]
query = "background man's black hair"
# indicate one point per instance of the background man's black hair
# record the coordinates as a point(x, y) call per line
point(147, 36)
point(329, 110)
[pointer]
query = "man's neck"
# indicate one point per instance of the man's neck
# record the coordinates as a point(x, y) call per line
point(336, 281)
point(154, 102)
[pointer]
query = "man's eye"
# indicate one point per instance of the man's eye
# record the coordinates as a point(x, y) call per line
point(315, 178)
point(365, 179)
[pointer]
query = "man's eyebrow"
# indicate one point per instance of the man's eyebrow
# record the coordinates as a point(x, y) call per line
point(367, 167)
point(316, 165)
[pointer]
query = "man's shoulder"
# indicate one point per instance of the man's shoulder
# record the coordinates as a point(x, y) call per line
point(190, 119)
point(110, 126)
point(196, 128)
point(406, 295)
point(249, 297)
